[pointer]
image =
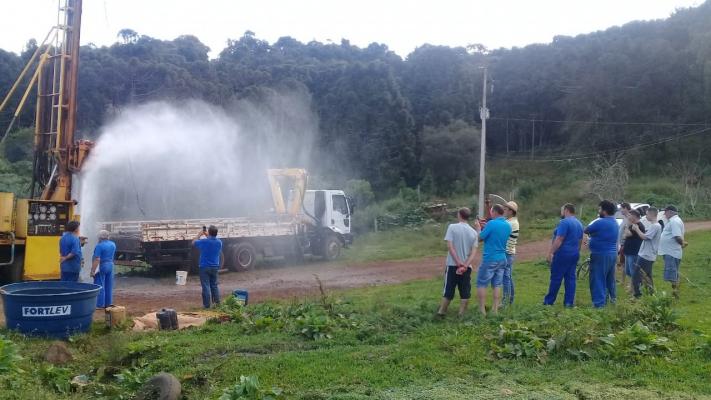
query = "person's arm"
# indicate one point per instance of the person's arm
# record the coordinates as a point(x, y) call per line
point(472, 254)
point(453, 253)
point(676, 232)
point(198, 236)
point(648, 235)
point(94, 266)
point(555, 245)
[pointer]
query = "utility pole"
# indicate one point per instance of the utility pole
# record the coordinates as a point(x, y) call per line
point(484, 114)
point(533, 137)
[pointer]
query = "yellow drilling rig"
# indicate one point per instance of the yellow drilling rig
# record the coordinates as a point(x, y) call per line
point(30, 228)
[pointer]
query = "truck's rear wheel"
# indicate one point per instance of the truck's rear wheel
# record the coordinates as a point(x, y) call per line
point(331, 248)
point(243, 257)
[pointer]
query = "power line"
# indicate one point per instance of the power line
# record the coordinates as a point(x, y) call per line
point(575, 157)
point(561, 121)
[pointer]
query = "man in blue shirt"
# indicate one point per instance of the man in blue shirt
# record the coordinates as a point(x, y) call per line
point(564, 255)
point(70, 253)
point(210, 249)
point(493, 263)
point(102, 269)
point(603, 234)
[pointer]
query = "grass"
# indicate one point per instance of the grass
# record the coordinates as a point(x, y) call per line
point(386, 345)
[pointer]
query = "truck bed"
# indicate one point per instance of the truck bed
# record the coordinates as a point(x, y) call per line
point(186, 229)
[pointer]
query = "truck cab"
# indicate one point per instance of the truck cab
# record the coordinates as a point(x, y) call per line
point(331, 210)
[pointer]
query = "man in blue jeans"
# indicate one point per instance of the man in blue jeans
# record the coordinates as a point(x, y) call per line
point(493, 262)
point(70, 253)
point(210, 248)
point(603, 234)
point(564, 255)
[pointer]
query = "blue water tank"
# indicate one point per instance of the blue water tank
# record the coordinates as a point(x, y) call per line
point(49, 308)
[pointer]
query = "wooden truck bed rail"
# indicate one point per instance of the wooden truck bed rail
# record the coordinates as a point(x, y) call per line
point(186, 229)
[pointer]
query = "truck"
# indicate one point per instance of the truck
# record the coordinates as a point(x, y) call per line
point(302, 222)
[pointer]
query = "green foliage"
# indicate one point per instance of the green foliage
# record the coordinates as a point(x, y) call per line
point(361, 192)
point(58, 378)
point(248, 388)
point(315, 326)
point(634, 342)
point(9, 356)
point(516, 340)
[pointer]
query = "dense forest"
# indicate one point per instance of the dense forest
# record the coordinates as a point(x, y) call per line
point(640, 90)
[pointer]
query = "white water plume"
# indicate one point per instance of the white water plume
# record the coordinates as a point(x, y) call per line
point(194, 160)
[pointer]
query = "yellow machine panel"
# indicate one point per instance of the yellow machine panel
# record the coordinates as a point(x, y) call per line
point(7, 201)
point(42, 258)
point(22, 208)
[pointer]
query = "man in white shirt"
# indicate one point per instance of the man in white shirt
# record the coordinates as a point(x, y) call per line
point(671, 244)
point(642, 270)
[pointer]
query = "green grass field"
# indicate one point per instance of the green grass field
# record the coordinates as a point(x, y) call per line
point(383, 343)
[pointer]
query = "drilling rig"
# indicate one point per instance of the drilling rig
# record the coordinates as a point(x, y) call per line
point(30, 228)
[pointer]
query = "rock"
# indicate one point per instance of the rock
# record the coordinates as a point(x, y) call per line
point(58, 354)
point(507, 392)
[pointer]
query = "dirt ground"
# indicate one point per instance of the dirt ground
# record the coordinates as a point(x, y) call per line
point(141, 295)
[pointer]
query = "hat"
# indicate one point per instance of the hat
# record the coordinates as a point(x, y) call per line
point(512, 205)
point(670, 208)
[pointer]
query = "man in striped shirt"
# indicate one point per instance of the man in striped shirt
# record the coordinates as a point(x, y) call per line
point(510, 211)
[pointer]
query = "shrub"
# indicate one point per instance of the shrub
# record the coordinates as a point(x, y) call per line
point(9, 356)
point(248, 388)
point(633, 342)
point(516, 340)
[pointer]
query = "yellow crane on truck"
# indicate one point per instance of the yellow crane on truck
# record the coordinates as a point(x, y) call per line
point(30, 228)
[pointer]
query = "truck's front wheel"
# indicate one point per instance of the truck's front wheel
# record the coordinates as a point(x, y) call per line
point(331, 248)
point(243, 257)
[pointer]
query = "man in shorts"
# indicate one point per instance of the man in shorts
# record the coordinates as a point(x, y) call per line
point(493, 263)
point(462, 241)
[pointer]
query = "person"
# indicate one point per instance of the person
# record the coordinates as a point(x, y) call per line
point(632, 243)
point(671, 243)
point(625, 209)
point(493, 262)
point(603, 234)
point(102, 269)
point(210, 248)
point(510, 212)
point(564, 255)
point(647, 254)
point(70, 253)
point(461, 244)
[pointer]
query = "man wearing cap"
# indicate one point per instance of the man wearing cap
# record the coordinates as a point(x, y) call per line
point(102, 269)
point(642, 271)
point(671, 244)
point(510, 212)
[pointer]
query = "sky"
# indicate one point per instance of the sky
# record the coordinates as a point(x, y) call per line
point(402, 25)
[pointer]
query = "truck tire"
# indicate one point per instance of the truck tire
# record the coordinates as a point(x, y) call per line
point(331, 249)
point(163, 386)
point(243, 256)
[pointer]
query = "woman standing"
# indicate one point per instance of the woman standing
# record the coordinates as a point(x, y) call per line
point(102, 269)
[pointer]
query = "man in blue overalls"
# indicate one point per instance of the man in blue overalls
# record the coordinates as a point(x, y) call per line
point(102, 269)
point(603, 255)
point(70, 253)
point(210, 249)
point(563, 256)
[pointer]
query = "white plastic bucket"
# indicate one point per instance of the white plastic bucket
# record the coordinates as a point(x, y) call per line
point(181, 277)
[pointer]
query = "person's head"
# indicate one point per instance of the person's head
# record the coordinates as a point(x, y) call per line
point(652, 214)
point(212, 230)
point(103, 235)
point(670, 211)
point(625, 209)
point(633, 216)
point(567, 210)
point(72, 227)
point(463, 214)
point(510, 209)
point(606, 208)
point(497, 210)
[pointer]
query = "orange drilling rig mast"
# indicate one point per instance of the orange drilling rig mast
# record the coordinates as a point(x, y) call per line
point(30, 228)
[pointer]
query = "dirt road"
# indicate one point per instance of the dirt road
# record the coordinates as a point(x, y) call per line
point(141, 295)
